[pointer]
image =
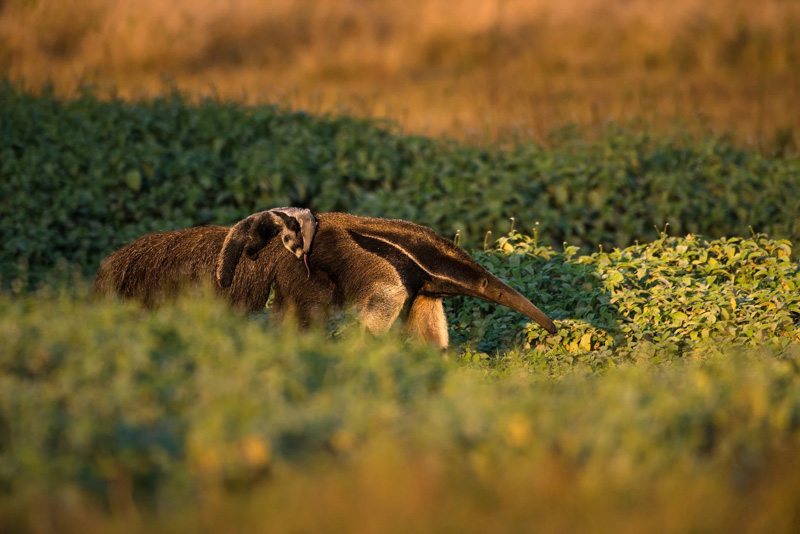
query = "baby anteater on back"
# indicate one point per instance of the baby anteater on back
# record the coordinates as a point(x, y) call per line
point(385, 268)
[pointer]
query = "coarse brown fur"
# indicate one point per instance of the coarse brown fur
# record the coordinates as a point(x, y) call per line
point(158, 266)
point(381, 267)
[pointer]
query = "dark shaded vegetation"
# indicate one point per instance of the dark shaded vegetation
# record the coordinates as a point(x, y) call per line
point(82, 177)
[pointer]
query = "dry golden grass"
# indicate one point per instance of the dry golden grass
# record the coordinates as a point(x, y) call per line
point(462, 68)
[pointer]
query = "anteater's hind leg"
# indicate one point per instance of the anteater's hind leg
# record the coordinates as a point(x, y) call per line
point(426, 320)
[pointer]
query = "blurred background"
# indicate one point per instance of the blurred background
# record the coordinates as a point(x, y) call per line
point(470, 69)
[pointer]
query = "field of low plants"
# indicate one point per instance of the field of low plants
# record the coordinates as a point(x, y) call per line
point(668, 401)
point(80, 178)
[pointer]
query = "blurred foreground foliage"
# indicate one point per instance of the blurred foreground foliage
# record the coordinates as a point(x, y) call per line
point(669, 400)
point(79, 178)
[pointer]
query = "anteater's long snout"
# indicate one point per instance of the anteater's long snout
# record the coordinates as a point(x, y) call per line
point(514, 300)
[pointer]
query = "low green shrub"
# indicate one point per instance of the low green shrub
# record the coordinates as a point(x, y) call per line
point(664, 296)
point(681, 350)
point(673, 382)
point(173, 411)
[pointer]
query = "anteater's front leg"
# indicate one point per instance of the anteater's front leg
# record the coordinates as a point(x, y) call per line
point(426, 320)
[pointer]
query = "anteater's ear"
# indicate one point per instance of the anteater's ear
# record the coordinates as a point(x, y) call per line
point(287, 221)
point(249, 235)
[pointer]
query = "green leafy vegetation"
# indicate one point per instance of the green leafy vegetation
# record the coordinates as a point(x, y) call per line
point(642, 300)
point(80, 178)
point(668, 401)
point(677, 365)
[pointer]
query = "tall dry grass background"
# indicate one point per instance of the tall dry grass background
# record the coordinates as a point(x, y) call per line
point(468, 68)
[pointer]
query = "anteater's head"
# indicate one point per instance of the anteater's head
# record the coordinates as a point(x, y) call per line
point(295, 227)
point(300, 228)
point(456, 273)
